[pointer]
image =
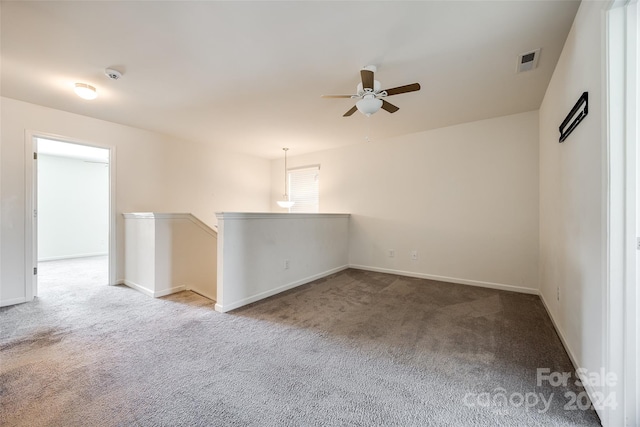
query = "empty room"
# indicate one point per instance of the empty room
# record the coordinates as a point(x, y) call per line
point(319, 213)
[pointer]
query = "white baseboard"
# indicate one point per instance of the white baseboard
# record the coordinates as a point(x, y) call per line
point(139, 288)
point(262, 295)
point(203, 294)
point(154, 294)
point(479, 283)
point(13, 301)
point(587, 386)
point(169, 291)
point(574, 361)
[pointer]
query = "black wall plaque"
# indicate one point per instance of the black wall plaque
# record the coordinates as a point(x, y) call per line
point(575, 116)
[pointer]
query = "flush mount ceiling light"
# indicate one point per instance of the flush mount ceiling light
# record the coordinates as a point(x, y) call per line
point(85, 91)
point(286, 203)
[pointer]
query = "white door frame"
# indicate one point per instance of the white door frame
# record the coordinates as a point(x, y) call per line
point(31, 204)
point(621, 297)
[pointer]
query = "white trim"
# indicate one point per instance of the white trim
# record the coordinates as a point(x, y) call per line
point(491, 285)
point(228, 307)
point(30, 224)
point(262, 295)
point(614, 214)
point(227, 216)
point(155, 294)
point(316, 166)
point(574, 361)
point(0, 213)
point(12, 301)
point(157, 215)
point(573, 358)
point(113, 226)
point(631, 310)
point(139, 288)
point(202, 294)
point(620, 293)
point(169, 291)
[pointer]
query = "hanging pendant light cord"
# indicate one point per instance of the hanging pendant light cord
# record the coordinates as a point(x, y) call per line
point(368, 131)
point(286, 194)
point(286, 203)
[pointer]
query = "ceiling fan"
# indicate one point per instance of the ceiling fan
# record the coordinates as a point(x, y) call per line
point(371, 97)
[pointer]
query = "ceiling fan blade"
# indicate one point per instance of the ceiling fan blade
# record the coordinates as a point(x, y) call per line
point(403, 89)
point(367, 79)
point(389, 107)
point(337, 96)
point(350, 112)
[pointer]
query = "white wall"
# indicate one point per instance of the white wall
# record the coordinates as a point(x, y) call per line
point(170, 252)
point(253, 248)
point(73, 208)
point(154, 173)
point(572, 197)
point(465, 197)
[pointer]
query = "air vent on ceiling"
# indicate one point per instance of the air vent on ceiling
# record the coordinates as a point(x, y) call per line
point(528, 60)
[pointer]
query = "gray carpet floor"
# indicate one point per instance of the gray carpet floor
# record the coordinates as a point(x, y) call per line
point(357, 348)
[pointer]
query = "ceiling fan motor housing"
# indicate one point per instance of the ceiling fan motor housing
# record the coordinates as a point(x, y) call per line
point(376, 88)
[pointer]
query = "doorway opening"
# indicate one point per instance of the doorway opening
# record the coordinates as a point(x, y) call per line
point(72, 242)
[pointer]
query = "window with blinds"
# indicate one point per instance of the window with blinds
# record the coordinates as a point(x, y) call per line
point(304, 188)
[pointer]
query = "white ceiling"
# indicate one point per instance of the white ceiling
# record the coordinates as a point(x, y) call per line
point(249, 75)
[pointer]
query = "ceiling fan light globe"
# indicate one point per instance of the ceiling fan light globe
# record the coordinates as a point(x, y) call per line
point(368, 106)
point(285, 203)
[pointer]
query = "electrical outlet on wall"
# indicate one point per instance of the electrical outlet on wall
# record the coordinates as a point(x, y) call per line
point(392, 253)
point(286, 264)
point(558, 293)
point(414, 255)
